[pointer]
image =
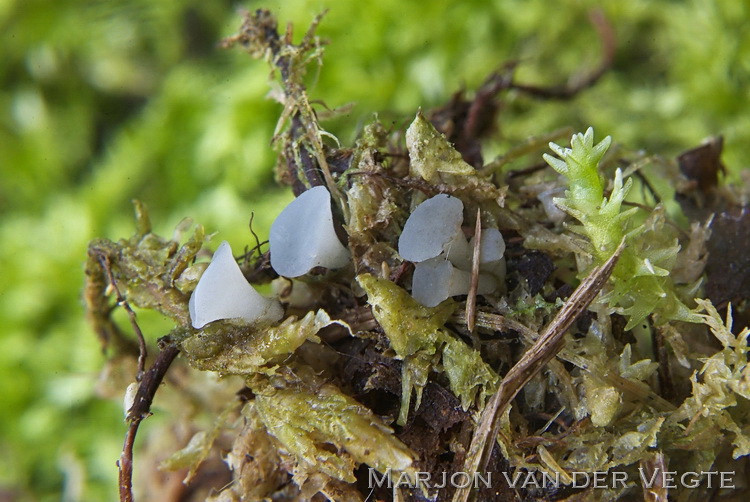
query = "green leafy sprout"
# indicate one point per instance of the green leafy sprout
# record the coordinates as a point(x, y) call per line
point(641, 283)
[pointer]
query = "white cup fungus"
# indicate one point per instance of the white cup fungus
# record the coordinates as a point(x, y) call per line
point(436, 279)
point(224, 293)
point(491, 253)
point(433, 239)
point(303, 237)
point(433, 227)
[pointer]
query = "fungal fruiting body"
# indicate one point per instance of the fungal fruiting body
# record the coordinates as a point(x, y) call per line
point(433, 239)
point(437, 279)
point(433, 228)
point(547, 198)
point(303, 237)
point(224, 293)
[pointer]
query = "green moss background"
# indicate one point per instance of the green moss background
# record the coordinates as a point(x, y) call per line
point(102, 102)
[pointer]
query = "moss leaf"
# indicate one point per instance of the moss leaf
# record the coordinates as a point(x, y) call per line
point(232, 348)
point(330, 432)
point(431, 153)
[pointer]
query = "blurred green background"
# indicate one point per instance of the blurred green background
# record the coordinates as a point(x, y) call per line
point(106, 101)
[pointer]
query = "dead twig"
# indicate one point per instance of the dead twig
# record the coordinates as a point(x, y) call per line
point(141, 409)
point(546, 347)
point(607, 38)
point(471, 301)
point(142, 350)
point(661, 356)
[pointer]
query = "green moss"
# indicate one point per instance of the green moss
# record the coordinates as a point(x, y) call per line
point(104, 103)
point(418, 336)
point(236, 349)
point(329, 432)
point(641, 283)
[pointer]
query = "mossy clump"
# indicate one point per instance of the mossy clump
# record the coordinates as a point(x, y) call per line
point(359, 376)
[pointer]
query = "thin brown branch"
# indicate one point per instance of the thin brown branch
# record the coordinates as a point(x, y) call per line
point(607, 39)
point(141, 409)
point(126, 464)
point(648, 186)
point(544, 349)
point(497, 322)
point(255, 236)
point(142, 350)
point(661, 356)
point(471, 301)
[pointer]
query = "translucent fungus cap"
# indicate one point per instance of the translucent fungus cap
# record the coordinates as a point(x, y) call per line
point(432, 228)
point(224, 293)
point(492, 247)
point(437, 279)
point(302, 236)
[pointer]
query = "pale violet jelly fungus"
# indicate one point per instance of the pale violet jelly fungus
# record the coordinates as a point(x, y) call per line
point(302, 237)
point(436, 279)
point(433, 228)
point(224, 293)
point(492, 247)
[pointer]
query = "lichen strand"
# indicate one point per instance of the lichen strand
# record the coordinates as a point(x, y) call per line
point(641, 283)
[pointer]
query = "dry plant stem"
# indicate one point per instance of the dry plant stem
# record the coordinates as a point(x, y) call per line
point(142, 351)
point(661, 355)
point(546, 347)
point(140, 410)
point(497, 322)
point(304, 147)
point(528, 170)
point(607, 37)
point(647, 184)
point(126, 464)
point(655, 465)
point(258, 244)
point(471, 301)
point(484, 99)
